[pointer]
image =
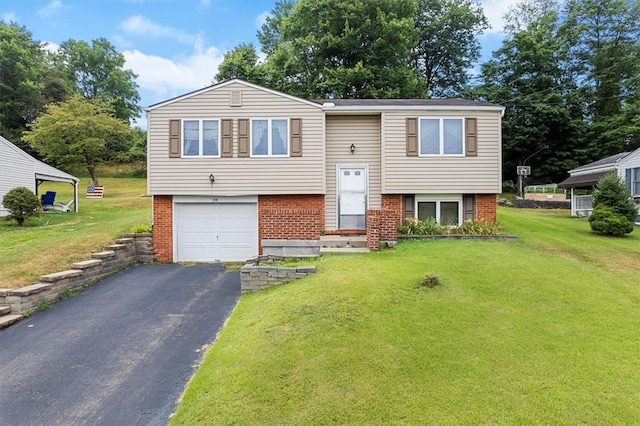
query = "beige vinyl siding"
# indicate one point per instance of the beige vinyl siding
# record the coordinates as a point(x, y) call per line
point(364, 133)
point(441, 174)
point(235, 176)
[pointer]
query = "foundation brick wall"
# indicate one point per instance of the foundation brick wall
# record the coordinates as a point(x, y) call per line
point(295, 217)
point(163, 228)
point(486, 208)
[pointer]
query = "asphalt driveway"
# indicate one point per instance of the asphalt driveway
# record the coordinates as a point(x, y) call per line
point(118, 353)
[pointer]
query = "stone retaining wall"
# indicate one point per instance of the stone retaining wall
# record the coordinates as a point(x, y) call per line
point(260, 273)
point(133, 248)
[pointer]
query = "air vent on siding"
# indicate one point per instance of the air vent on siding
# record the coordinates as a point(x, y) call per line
point(235, 98)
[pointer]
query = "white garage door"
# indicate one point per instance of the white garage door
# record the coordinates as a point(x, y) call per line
point(216, 232)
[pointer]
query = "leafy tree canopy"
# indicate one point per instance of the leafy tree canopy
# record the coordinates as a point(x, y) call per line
point(363, 49)
point(97, 72)
point(26, 85)
point(78, 133)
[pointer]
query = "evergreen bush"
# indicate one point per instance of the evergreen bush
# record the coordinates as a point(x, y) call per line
point(614, 212)
point(21, 204)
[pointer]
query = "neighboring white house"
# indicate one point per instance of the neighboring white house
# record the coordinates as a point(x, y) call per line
point(625, 164)
point(17, 168)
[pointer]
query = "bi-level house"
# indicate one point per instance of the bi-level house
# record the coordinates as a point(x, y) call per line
point(233, 165)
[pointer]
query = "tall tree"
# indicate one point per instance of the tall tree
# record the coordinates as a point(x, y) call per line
point(542, 123)
point(605, 53)
point(242, 63)
point(78, 133)
point(98, 72)
point(342, 48)
point(447, 44)
point(23, 67)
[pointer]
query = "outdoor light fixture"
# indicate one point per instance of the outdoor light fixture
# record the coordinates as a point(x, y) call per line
point(212, 178)
point(352, 148)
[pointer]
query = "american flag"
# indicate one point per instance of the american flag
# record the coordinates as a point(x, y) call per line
point(95, 191)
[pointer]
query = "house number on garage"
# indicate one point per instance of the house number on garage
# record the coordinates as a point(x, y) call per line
point(215, 200)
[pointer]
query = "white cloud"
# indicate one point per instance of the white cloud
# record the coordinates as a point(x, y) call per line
point(164, 78)
point(139, 25)
point(9, 17)
point(494, 10)
point(205, 3)
point(52, 7)
point(50, 46)
point(261, 19)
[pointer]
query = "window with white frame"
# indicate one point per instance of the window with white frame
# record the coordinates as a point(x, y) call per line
point(270, 137)
point(200, 138)
point(635, 182)
point(441, 136)
point(445, 211)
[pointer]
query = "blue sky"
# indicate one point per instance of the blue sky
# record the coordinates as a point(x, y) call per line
point(174, 46)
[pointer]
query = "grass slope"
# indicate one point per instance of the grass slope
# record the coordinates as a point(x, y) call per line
point(539, 331)
point(52, 241)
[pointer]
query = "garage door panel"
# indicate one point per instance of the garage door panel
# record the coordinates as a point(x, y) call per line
point(216, 232)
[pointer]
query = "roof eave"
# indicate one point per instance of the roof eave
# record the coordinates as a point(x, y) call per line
point(227, 83)
point(335, 109)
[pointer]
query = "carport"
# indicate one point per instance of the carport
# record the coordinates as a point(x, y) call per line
point(17, 168)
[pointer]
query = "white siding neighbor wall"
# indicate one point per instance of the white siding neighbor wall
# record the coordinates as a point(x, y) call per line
point(402, 174)
point(235, 176)
point(16, 169)
point(364, 133)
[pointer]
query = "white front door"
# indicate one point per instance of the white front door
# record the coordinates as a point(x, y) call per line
point(352, 197)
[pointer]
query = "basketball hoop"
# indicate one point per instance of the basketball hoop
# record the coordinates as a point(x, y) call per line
point(523, 171)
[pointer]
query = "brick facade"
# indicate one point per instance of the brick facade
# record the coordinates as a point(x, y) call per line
point(373, 230)
point(296, 217)
point(486, 208)
point(163, 228)
point(382, 225)
point(391, 216)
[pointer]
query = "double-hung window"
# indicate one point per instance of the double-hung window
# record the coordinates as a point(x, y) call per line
point(635, 182)
point(441, 136)
point(270, 137)
point(445, 211)
point(200, 138)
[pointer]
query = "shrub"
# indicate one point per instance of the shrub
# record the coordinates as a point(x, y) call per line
point(141, 228)
point(614, 212)
point(414, 226)
point(430, 227)
point(605, 220)
point(21, 204)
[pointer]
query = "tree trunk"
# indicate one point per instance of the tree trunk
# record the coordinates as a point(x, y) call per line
point(92, 173)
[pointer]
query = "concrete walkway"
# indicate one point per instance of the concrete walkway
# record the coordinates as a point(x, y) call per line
point(119, 353)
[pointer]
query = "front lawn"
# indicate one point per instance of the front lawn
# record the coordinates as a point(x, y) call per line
point(543, 330)
point(52, 241)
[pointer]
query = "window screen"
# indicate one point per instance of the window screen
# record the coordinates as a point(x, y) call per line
point(426, 210)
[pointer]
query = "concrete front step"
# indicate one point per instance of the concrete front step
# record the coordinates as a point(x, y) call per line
point(344, 250)
point(5, 309)
point(339, 241)
point(7, 320)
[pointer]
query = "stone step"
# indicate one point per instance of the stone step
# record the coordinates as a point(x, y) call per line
point(5, 309)
point(346, 250)
point(7, 320)
point(339, 241)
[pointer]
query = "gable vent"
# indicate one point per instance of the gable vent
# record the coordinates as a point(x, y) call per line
point(235, 98)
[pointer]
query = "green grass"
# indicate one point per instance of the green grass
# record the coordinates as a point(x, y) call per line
point(543, 330)
point(54, 240)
